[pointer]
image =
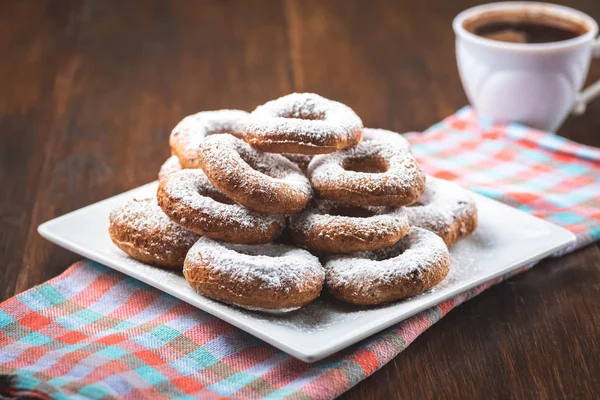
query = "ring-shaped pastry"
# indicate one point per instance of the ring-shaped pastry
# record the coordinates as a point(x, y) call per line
point(332, 227)
point(264, 182)
point(191, 130)
point(266, 277)
point(188, 198)
point(372, 173)
point(145, 233)
point(303, 123)
point(386, 136)
point(169, 167)
point(416, 263)
point(446, 209)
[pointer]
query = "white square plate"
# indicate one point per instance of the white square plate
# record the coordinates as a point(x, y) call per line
point(506, 239)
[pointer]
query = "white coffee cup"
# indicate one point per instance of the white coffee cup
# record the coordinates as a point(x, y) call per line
point(536, 84)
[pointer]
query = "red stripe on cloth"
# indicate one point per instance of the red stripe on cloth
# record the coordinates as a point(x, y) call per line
point(95, 290)
point(135, 304)
point(564, 158)
point(367, 360)
point(459, 125)
point(187, 385)
point(177, 311)
point(72, 337)
point(149, 357)
point(103, 371)
point(506, 154)
point(525, 197)
point(490, 135)
point(207, 331)
point(286, 372)
point(5, 339)
point(528, 144)
point(469, 145)
point(446, 306)
point(446, 175)
point(577, 228)
point(35, 321)
point(146, 393)
point(29, 356)
point(111, 339)
point(327, 386)
point(410, 331)
point(66, 363)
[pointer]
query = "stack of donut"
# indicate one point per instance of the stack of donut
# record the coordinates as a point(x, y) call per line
point(264, 209)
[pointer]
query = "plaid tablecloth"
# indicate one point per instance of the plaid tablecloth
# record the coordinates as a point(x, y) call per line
point(95, 333)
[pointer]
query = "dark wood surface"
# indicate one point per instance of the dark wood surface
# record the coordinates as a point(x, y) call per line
point(89, 91)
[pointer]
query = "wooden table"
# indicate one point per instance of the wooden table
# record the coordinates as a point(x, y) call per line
point(89, 91)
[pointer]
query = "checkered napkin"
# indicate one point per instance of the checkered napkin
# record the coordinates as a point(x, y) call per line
point(95, 333)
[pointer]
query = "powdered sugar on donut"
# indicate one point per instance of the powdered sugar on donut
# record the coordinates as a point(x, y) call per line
point(384, 221)
point(274, 266)
point(383, 135)
point(366, 273)
point(402, 177)
point(272, 166)
point(145, 221)
point(193, 189)
point(189, 132)
point(169, 167)
point(305, 119)
point(446, 209)
point(267, 175)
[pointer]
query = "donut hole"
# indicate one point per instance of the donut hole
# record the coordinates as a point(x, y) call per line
point(343, 210)
point(264, 168)
point(220, 198)
point(389, 252)
point(305, 112)
point(370, 165)
point(215, 195)
point(273, 251)
point(263, 164)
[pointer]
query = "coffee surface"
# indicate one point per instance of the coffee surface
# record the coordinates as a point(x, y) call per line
point(526, 32)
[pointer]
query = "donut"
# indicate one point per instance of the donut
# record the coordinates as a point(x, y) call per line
point(170, 166)
point(301, 160)
point(372, 173)
point(386, 136)
point(446, 209)
point(188, 133)
point(304, 123)
point(189, 199)
point(267, 277)
point(145, 233)
point(264, 182)
point(416, 263)
point(332, 227)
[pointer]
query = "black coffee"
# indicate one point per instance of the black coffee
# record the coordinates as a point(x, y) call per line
point(527, 32)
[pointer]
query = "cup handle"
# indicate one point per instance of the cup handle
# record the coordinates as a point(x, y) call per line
point(591, 92)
